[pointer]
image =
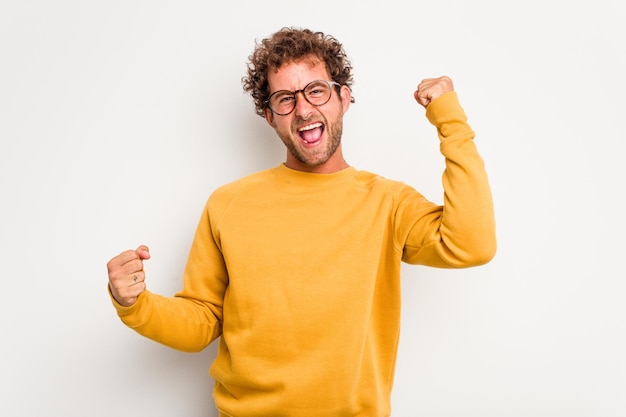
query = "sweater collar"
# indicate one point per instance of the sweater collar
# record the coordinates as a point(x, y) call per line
point(293, 176)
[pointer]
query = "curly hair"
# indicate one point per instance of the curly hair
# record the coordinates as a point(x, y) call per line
point(290, 45)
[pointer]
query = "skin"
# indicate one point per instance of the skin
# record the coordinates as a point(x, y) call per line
point(322, 155)
point(127, 278)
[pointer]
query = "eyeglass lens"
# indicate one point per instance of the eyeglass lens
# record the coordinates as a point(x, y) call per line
point(316, 92)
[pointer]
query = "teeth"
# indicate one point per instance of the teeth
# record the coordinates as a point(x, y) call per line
point(309, 127)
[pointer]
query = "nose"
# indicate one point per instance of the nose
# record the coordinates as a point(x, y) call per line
point(303, 107)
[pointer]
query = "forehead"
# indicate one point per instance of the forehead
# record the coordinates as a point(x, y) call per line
point(295, 75)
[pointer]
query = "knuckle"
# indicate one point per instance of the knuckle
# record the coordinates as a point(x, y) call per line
point(136, 265)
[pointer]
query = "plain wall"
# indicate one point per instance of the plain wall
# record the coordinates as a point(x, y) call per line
point(118, 119)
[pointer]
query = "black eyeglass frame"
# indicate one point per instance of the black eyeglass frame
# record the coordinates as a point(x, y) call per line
point(295, 96)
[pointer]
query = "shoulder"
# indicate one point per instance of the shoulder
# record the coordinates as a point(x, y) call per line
point(228, 191)
point(378, 182)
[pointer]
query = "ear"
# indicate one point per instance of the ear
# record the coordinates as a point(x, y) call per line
point(269, 117)
point(346, 97)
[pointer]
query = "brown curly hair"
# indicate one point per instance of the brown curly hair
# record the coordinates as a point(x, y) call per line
point(288, 45)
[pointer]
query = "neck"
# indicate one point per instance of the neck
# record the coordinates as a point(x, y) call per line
point(328, 167)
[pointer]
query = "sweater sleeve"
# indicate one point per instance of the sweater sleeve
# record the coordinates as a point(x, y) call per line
point(191, 319)
point(461, 233)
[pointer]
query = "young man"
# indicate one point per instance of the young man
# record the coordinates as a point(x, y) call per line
point(297, 267)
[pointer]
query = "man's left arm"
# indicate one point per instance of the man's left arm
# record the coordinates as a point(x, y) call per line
point(462, 232)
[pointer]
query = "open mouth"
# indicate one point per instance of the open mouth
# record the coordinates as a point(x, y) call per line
point(311, 134)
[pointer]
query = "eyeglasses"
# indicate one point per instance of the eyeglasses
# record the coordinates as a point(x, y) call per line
point(317, 93)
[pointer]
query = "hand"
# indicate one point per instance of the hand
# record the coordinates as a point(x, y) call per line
point(126, 275)
point(431, 88)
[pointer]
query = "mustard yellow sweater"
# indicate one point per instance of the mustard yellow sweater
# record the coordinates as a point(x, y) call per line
point(299, 274)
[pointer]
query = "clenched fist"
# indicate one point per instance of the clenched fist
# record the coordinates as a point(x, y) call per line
point(431, 88)
point(126, 275)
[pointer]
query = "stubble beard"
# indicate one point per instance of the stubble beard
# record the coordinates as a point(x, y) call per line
point(317, 156)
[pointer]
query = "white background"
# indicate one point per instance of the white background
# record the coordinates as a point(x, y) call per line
point(118, 119)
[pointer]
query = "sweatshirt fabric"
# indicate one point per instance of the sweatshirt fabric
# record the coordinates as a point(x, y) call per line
point(298, 275)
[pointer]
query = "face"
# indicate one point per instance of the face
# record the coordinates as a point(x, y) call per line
point(312, 134)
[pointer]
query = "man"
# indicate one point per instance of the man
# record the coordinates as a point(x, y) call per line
point(297, 267)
